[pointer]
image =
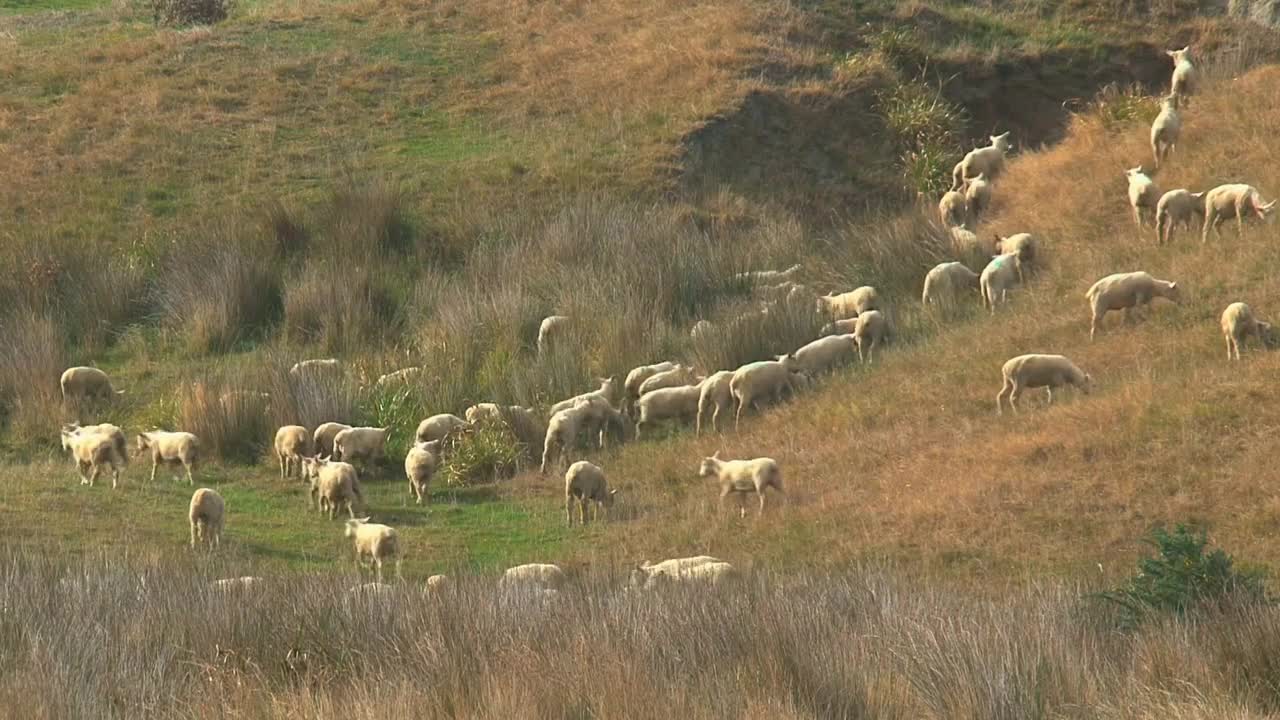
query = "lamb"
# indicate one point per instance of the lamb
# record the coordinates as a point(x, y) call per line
point(767, 277)
point(945, 281)
point(334, 484)
point(1185, 81)
point(587, 416)
point(535, 576)
point(93, 450)
point(550, 331)
point(404, 376)
point(85, 383)
point(207, 515)
point(366, 443)
point(742, 477)
point(293, 442)
point(1033, 371)
point(647, 573)
point(377, 542)
point(977, 196)
point(1126, 291)
point(675, 377)
point(585, 483)
point(1144, 194)
point(826, 353)
point(669, 403)
point(756, 381)
point(1236, 199)
point(322, 440)
point(953, 209)
point(1238, 323)
point(605, 392)
point(850, 304)
point(1023, 248)
point(637, 377)
point(872, 330)
point(318, 367)
point(987, 161)
point(419, 465)
point(437, 427)
point(714, 398)
point(997, 277)
point(171, 448)
point(1165, 129)
point(1177, 207)
point(713, 574)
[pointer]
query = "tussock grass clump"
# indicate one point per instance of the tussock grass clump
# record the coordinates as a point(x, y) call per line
point(189, 12)
point(341, 307)
point(32, 358)
point(485, 453)
point(231, 422)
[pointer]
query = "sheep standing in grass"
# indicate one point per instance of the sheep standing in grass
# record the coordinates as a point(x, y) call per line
point(1178, 207)
point(945, 282)
point(1238, 323)
point(872, 330)
point(587, 417)
point(113, 431)
point(585, 483)
point(767, 277)
point(953, 209)
point(93, 450)
point(987, 161)
point(742, 477)
point(322, 440)
point(293, 442)
point(1165, 129)
point(207, 515)
point(850, 304)
point(712, 574)
point(1033, 371)
point(1236, 199)
point(678, 376)
point(316, 368)
point(647, 574)
point(668, 403)
point(171, 448)
point(533, 576)
point(550, 332)
point(84, 383)
point(606, 391)
point(714, 398)
point(637, 377)
point(360, 443)
point(419, 465)
point(437, 427)
point(1185, 81)
point(1126, 291)
point(1022, 246)
point(826, 353)
point(333, 485)
point(977, 197)
point(1144, 194)
point(997, 278)
point(379, 543)
point(756, 381)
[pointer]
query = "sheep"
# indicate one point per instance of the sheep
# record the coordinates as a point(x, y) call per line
point(93, 449)
point(840, 327)
point(1238, 323)
point(997, 277)
point(850, 304)
point(207, 515)
point(945, 281)
point(755, 381)
point(714, 398)
point(674, 377)
point(1126, 291)
point(1165, 129)
point(637, 377)
point(872, 330)
point(1033, 371)
point(116, 434)
point(403, 376)
point(437, 427)
point(292, 443)
point(963, 240)
point(85, 383)
point(1144, 194)
point(523, 422)
point(377, 542)
point(766, 277)
point(419, 465)
point(438, 583)
point(1177, 207)
point(1235, 199)
point(587, 416)
point(645, 574)
point(171, 448)
point(1185, 81)
point(366, 443)
point(701, 330)
point(585, 483)
point(550, 331)
point(245, 582)
point(334, 484)
point(537, 576)
point(1023, 248)
point(977, 196)
point(310, 368)
point(742, 477)
point(605, 392)
point(668, 403)
point(713, 574)
point(987, 161)
point(322, 440)
point(953, 208)
point(825, 353)
point(487, 412)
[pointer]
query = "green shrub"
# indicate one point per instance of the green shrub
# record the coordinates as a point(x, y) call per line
point(485, 453)
point(928, 129)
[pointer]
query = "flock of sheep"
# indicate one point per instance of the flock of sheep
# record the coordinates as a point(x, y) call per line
point(325, 458)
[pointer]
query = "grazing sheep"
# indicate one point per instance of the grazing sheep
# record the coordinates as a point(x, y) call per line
point(1033, 371)
point(606, 391)
point(171, 448)
point(850, 304)
point(826, 353)
point(207, 515)
point(643, 575)
point(536, 576)
point(486, 412)
point(987, 161)
point(742, 477)
point(997, 277)
point(93, 450)
point(668, 403)
point(1178, 207)
point(977, 196)
point(318, 367)
point(700, 331)
point(637, 377)
point(767, 277)
point(1126, 291)
point(419, 465)
point(377, 542)
point(334, 485)
point(439, 583)
point(117, 436)
point(675, 377)
point(437, 427)
point(1022, 246)
point(1236, 199)
point(1185, 81)
point(550, 331)
point(1144, 194)
point(293, 442)
point(585, 483)
point(872, 330)
point(1238, 323)
point(364, 443)
point(714, 398)
point(84, 383)
point(404, 376)
point(322, 440)
point(566, 426)
point(945, 281)
point(953, 208)
point(758, 380)
point(1165, 129)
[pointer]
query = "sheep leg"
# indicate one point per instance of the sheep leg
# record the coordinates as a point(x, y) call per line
point(568, 510)
point(82, 469)
point(1004, 390)
point(187, 466)
point(154, 462)
point(582, 510)
point(742, 505)
point(760, 494)
point(115, 476)
point(1239, 222)
point(377, 563)
point(1049, 390)
point(194, 533)
point(93, 476)
point(1093, 324)
point(737, 417)
point(1013, 397)
point(724, 492)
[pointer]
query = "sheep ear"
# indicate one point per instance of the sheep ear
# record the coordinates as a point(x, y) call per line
point(613, 492)
point(715, 455)
point(1173, 285)
point(1171, 53)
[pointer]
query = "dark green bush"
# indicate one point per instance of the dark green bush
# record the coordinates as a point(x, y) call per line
point(485, 453)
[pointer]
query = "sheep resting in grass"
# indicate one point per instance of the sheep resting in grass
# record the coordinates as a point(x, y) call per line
point(997, 278)
point(333, 485)
point(94, 450)
point(171, 449)
point(608, 388)
point(584, 483)
point(872, 330)
point(637, 377)
point(534, 576)
point(713, 574)
point(714, 398)
point(322, 440)
point(1178, 207)
point(767, 277)
point(850, 304)
point(207, 515)
point(360, 443)
point(826, 353)
point(742, 477)
point(437, 427)
point(419, 465)
point(953, 209)
point(1033, 371)
point(977, 196)
point(1126, 291)
point(317, 367)
point(551, 331)
point(84, 383)
point(677, 376)
point(987, 161)
point(668, 403)
point(1238, 323)
point(1144, 194)
point(756, 381)
point(944, 283)
point(1185, 81)
point(1236, 199)
point(668, 569)
point(377, 542)
point(1165, 129)
point(293, 442)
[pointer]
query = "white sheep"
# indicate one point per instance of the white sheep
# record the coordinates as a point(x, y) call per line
point(333, 485)
point(767, 277)
point(644, 575)
point(317, 367)
point(207, 515)
point(1022, 246)
point(742, 477)
point(292, 443)
point(1033, 371)
point(437, 427)
point(535, 576)
point(1238, 323)
point(637, 376)
point(438, 583)
point(953, 209)
point(419, 465)
point(963, 240)
point(756, 381)
point(483, 412)
point(944, 283)
point(987, 161)
point(550, 331)
point(244, 582)
point(588, 416)
point(850, 304)
point(977, 196)
point(377, 542)
point(1165, 129)
point(713, 574)
point(1126, 291)
point(826, 353)
point(171, 448)
point(1178, 207)
point(1185, 81)
point(404, 376)
point(364, 443)
point(997, 278)
point(93, 450)
point(1144, 194)
point(872, 330)
point(84, 383)
point(668, 403)
point(606, 392)
point(677, 376)
point(322, 440)
point(585, 483)
point(1236, 199)
point(116, 434)
point(840, 327)
point(715, 397)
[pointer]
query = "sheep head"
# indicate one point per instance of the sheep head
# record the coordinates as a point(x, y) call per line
point(1180, 55)
point(1001, 142)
